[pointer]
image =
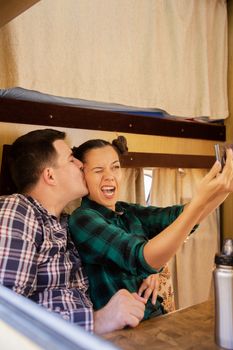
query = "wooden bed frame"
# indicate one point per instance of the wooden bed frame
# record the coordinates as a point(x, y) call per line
point(50, 114)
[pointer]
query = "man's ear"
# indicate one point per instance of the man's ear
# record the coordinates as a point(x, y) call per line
point(48, 176)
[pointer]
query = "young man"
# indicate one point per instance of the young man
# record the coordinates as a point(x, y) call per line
point(37, 257)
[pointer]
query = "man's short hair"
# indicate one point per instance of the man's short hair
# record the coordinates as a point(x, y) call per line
point(30, 154)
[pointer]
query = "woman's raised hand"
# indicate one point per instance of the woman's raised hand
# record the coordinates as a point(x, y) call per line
point(217, 182)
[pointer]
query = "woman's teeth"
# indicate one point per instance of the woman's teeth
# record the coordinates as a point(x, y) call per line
point(108, 189)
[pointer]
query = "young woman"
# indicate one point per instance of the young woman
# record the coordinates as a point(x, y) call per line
point(121, 244)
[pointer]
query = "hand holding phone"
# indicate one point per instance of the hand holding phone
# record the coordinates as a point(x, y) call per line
point(221, 152)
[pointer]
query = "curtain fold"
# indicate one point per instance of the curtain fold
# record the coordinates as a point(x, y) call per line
point(193, 263)
point(132, 186)
point(164, 54)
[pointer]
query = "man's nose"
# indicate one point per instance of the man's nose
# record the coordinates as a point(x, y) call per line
point(79, 163)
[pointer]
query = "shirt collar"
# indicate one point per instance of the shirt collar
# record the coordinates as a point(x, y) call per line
point(63, 216)
point(88, 203)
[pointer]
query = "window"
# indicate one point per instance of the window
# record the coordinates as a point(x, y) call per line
point(147, 184)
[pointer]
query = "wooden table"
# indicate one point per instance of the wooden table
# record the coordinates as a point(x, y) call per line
point(189, 328)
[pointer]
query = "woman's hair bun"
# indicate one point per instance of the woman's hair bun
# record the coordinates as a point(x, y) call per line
point(121, 144)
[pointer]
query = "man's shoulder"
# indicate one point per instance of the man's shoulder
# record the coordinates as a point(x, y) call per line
point(14, 202)
point(12, 198)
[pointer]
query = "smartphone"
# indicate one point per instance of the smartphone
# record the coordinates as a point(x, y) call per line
point(217, 152)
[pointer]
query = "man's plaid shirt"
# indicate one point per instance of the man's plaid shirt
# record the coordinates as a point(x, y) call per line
point(111, 246)
point(38, 260)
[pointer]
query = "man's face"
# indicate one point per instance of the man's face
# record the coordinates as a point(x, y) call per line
point(68, 173)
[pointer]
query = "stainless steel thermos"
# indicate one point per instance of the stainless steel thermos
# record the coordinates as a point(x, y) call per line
point(223, 282)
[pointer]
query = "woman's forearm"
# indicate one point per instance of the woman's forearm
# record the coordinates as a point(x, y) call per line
point(162, 247)
point(212, 205)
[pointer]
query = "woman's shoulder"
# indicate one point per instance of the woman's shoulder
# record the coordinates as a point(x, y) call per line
point(129, 206)
point(81, 212)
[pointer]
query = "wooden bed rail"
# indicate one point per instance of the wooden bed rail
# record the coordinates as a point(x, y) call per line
point(41, 113)
point(164, 160)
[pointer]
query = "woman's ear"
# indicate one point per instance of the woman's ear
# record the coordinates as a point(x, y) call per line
point(48, 176)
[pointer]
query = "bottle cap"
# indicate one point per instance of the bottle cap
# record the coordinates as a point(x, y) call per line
point(226, 256)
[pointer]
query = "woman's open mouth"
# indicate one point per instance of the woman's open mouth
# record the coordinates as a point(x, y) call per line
point(108, 191)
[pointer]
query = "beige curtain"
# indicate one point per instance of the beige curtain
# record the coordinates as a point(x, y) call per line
point(168, 54)
point(132, 187)
point(193, 263)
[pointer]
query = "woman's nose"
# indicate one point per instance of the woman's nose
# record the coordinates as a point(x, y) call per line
point(108, 174)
